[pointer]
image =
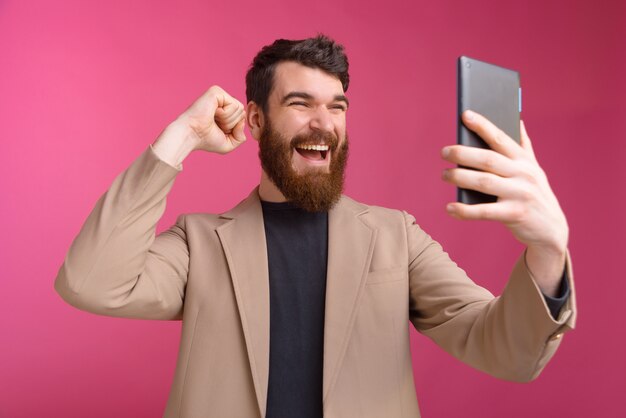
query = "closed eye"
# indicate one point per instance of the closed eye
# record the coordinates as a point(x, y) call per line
point(298, 104)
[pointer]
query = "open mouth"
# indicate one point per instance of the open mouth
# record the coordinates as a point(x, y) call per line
point(313, 152)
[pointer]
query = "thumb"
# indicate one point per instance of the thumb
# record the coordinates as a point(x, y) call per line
point(525, 140)
point(238, 131)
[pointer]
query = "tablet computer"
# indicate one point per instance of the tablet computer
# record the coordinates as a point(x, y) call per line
point(495, 93)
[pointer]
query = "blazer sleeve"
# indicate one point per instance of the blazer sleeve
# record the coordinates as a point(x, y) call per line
point(511, 336)
point(115, 265)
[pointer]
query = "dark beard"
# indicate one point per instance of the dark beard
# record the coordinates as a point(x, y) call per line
point(313, 190)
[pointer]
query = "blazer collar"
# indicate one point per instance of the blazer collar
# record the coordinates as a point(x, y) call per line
point(243, 242)
point(350, 246)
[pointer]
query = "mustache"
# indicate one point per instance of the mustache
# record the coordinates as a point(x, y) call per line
point(315, 138)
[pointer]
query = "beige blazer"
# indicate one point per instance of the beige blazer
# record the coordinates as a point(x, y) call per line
point(383, 271)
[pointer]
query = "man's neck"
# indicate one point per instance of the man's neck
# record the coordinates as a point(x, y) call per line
point(268, 191)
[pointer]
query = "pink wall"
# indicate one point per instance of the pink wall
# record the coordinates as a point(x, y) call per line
point(85, 88)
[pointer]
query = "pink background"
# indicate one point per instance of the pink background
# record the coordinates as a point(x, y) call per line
point(84, 88)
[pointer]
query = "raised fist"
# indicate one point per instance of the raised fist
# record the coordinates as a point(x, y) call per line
point(216, 121)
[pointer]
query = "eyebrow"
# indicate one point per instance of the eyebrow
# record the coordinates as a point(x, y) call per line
point(307, 96)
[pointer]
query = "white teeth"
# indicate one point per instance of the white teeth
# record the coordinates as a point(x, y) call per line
point(314, 147)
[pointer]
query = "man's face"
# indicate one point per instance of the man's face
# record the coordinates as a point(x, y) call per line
point(303, 144)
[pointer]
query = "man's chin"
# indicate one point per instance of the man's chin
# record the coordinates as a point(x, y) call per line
point(307, 171)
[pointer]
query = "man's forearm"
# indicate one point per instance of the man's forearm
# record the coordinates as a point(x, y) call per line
point(115, 266)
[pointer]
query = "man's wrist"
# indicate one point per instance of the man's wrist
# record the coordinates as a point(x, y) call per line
point(175, 143)
point(546, 266)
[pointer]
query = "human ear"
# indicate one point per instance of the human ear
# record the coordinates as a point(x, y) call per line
point(254, 119)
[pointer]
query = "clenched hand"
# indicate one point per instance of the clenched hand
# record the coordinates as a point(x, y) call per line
point(214, 123)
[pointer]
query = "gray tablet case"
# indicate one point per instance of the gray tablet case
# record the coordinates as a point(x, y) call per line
point(495, 93)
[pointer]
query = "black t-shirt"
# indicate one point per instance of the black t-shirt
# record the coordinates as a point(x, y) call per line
point(297, 254)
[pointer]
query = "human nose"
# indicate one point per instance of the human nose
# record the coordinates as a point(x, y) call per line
point(321, 119)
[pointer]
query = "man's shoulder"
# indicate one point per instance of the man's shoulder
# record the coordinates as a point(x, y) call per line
point(375, 213)
point(248, 206)
point(203, 219)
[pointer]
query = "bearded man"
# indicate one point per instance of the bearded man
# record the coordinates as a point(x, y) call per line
point(295, 303)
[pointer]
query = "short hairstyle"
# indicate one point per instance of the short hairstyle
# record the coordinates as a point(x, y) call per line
point(319, 52)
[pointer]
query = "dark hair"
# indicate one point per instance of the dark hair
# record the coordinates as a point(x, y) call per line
point(319, 52)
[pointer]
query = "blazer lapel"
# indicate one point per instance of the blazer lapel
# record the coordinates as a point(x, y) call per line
point(350, 247)
point(243, 241)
